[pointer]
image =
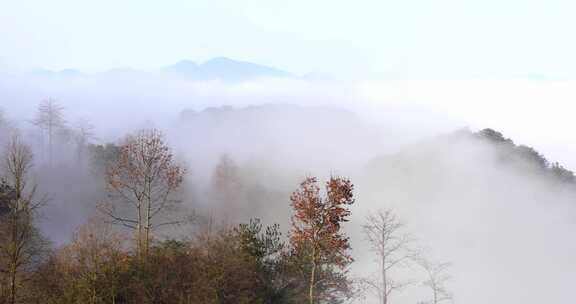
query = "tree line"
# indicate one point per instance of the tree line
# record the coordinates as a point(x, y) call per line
point(120, 256)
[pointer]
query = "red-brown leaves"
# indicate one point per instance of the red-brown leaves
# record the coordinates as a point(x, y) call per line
point(316, 224)
point(316, 236)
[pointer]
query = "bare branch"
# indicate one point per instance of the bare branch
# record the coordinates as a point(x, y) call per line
point(393, 249)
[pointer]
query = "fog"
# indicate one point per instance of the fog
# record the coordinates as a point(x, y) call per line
point(504, 227)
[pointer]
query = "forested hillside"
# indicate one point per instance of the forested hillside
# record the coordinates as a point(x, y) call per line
point(266, 204)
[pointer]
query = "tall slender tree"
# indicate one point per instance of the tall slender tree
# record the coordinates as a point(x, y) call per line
point(226, 189)
point(436, 278)
point(143, 180)
point(20, 241)
point(83, 134)
point(393, 247)
point(49, 118)
point(317, 234)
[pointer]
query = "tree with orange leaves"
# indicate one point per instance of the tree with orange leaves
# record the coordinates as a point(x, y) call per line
point(317, 237)
point(144, 179)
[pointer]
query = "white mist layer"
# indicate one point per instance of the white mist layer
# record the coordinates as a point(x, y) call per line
point(506, 232)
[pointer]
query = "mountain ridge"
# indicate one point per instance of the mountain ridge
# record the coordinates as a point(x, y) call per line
point(217, 68)
point(224, 68)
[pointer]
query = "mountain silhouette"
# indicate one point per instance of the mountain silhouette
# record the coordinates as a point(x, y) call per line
point(225, 69)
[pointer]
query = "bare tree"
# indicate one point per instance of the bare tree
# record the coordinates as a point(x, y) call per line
point(83, 134)
point(393, 248)
point(21, 243)
point(144, 179)
point(436, 278)
point(49, 118)
point(91, 261)
point(226, 189)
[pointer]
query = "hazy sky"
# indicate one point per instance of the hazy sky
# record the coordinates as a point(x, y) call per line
point(491, 40)
point(391, 39)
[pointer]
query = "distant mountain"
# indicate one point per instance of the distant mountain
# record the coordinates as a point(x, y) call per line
point(305, 135)
point(511, 154)
point(225, 69)
point(219, 68)
point(61, 73)
point(185, 68)
point(486, 147)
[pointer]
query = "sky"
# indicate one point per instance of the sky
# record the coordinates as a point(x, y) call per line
point(505, 64)
point(408, 39)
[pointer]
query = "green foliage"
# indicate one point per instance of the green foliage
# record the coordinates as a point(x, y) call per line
point(526, 158)
point(258, 244)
